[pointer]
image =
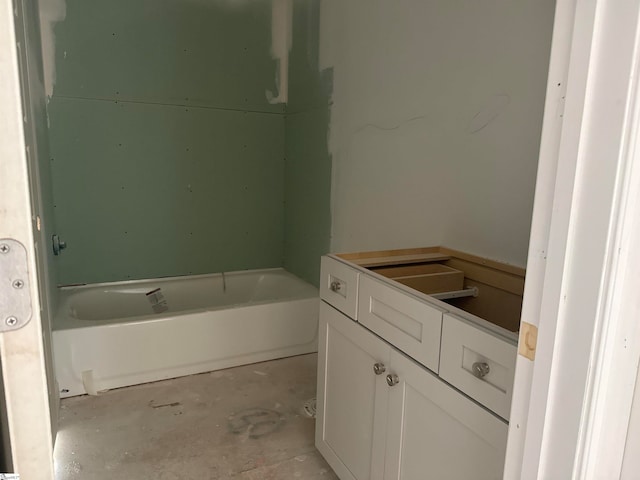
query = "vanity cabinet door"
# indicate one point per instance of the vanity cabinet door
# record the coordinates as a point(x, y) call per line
point(435, 432)
point(352, 397)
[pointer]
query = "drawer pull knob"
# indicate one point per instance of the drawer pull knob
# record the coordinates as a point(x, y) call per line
point(335, 286)
point(379, 368)
point(480, 369)
point(392, 379)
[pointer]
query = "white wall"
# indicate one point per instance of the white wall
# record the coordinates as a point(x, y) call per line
point(435, 122)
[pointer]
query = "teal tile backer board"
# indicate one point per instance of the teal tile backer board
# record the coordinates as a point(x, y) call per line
point(188, 52)
point(307, 191)
point(308, 163)
point(167, 158)
point(145, 191)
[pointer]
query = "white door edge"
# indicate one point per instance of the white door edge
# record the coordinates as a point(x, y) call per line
point(570, 410)
point(615, 353)
point(540, 229)
point(21, 351)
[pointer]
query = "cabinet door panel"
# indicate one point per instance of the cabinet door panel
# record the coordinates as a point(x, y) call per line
point(433, 431)
point(352, 399)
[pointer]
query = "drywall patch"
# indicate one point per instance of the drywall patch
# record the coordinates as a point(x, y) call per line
point(51, 12)
point(281, 25)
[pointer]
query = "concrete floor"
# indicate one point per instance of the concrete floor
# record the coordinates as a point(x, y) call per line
point(244, 423)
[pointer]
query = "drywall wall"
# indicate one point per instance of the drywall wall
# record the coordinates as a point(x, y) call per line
point(307, 216)
point(435, 121)
point(167, 157)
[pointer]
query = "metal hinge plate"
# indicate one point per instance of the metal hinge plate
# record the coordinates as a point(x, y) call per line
point(15, 291)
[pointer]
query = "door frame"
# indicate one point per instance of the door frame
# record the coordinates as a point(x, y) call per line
point(571, 409)
point(21, 351)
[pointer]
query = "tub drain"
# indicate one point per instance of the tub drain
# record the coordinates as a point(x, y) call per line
point(310, 408)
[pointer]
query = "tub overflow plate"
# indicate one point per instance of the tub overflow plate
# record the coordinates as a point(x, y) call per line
point(15, 291)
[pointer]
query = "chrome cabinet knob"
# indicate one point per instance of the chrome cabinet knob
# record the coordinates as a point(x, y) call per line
point(392, 379)
point(335, 286)
point(480, 369)
point(379, 368)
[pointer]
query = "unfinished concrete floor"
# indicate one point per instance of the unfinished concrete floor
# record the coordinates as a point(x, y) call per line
point(243, 423)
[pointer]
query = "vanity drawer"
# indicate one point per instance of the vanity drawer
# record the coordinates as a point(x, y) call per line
point(410, 324)
point(339, 285)
point(480, 364)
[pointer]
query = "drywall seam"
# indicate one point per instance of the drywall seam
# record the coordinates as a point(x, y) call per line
point(281, 26)
point(165, 104)
point(51, 12)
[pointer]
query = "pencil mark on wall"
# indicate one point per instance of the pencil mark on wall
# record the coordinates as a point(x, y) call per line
point(487, 114)
point(389, 128)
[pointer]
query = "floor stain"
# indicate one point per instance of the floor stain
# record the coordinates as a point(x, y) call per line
point(173, 404)
point(119, 435)
point(256, 422)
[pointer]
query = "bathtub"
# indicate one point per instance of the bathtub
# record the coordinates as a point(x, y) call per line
point(113, 335)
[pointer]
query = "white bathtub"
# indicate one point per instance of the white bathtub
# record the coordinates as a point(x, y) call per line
point(118, 334)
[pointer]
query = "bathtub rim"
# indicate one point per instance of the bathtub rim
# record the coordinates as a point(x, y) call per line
point(74, 286)
point(71, 323)
point(62, 320)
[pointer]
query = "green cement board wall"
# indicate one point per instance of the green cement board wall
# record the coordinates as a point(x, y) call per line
point(307, 193)
point(214, 53)
point(153, 190)
point(308, 163)
point(166, 157)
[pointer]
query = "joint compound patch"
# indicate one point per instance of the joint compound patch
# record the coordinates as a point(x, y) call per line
point(157, 300)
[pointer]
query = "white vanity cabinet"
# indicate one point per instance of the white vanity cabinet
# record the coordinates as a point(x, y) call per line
point(382, 415)
point(411, 387)
point(435, 432)
point(352, 398)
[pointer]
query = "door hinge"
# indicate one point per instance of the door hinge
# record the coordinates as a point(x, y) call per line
point(15, 291)
point(528, 340)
